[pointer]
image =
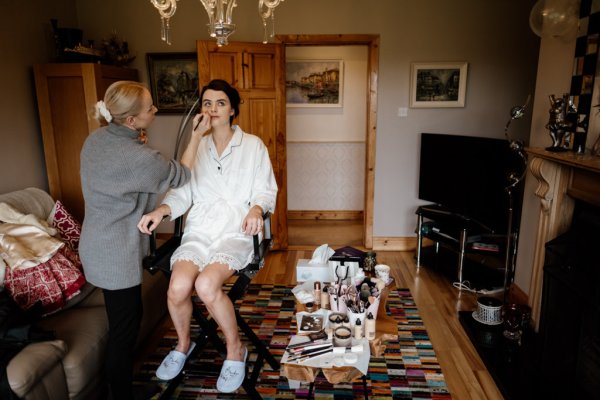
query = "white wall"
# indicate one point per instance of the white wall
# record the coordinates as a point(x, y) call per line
point(493, 36)
point(27, 39)
point(326, 145)
point(347, 123)
point(555, 80)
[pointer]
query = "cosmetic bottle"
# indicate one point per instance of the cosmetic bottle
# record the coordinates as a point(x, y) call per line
point(370, 327)
point(346, 322)
point(325, 298)
point(358, 330)
point(318, 295)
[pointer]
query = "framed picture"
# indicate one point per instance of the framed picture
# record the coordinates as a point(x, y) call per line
point(173, 80)
point(439, 84)
point(314, 83)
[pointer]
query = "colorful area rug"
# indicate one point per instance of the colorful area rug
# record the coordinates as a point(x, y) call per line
point(408, 369)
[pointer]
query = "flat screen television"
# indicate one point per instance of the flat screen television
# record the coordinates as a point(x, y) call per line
point(468, 176)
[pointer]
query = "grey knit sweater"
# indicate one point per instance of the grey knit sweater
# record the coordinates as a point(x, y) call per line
point(120, 178)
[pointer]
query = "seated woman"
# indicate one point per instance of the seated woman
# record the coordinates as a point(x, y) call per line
point(232, 186)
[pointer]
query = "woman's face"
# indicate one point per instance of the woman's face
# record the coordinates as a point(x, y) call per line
point(216, 104)
point(145, 117)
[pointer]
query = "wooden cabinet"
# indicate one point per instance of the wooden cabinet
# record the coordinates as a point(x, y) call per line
point(66, 95)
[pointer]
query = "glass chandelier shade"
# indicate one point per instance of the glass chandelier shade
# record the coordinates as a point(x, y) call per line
point(220, 17)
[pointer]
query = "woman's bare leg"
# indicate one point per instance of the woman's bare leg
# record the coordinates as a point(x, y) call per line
point(209, 288)
point(179, 301)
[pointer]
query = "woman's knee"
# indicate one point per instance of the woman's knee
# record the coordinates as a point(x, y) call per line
point(181, 285)
point(208, 288)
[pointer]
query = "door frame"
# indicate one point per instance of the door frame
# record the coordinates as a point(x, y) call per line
point(372, 42)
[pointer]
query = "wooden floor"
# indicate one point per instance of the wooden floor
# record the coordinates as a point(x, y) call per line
point(438, 303)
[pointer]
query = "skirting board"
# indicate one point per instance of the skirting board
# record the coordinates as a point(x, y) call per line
point(395, 243)
point(326, 214)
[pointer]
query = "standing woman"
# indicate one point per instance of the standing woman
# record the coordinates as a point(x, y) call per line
point(120, 178)
point(232, 186)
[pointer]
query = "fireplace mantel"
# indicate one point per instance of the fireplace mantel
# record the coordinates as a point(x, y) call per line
point(562, 178)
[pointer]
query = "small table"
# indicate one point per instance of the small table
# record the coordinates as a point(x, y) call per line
point(386, 328)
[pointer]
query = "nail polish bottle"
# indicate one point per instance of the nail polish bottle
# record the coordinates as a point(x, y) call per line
point(370, 327)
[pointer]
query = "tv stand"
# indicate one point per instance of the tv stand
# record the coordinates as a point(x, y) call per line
point(468, 238)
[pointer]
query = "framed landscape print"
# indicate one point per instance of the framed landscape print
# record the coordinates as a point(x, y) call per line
point(173, 80)
point(314, 83)
point(439, 84)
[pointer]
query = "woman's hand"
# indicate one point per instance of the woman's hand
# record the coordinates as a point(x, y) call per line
point(201, 124)
point(253, 222)
point(150, 221)
point(200, 127)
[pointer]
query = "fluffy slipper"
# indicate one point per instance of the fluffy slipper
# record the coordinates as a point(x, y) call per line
point(232, 374)
point(173, 364)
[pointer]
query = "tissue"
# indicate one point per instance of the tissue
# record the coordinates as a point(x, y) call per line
point(321, 254)
point(315, 269)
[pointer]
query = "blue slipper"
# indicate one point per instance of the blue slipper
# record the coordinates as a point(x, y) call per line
point(232, 374)
point(173, 364)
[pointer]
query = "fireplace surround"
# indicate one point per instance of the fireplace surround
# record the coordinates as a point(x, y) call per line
point(563, 294)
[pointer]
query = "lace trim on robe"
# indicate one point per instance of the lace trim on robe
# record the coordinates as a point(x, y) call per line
point(220, 258)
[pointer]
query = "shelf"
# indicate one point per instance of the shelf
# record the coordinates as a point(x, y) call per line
point(458, 234)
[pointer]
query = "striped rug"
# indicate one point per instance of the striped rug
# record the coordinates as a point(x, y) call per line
point(408, 369)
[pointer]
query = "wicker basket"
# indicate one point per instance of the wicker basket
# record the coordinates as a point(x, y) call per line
point(489, 311)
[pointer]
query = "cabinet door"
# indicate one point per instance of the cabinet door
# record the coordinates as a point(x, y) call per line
point(66, 94)
point(256, 70)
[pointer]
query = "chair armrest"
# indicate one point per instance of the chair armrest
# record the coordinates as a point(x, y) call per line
point(159, 258)
point(262, 247)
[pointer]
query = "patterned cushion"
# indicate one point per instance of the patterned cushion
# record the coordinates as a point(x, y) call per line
point(51, 283)
point(68, 227)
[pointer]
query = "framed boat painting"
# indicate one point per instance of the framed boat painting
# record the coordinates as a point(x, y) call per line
point(314, 83)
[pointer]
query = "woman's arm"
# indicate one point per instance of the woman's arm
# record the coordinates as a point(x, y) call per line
point(201, 126)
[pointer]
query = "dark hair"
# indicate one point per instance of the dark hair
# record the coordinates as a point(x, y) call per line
point(230, 91)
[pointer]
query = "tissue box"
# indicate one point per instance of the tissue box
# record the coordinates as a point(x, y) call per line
point(313, 272)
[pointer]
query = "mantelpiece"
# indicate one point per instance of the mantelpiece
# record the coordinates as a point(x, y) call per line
point(562, 178)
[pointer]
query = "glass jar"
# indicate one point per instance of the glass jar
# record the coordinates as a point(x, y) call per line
point(370, 261)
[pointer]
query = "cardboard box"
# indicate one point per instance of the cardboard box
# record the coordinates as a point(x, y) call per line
point(313, 272)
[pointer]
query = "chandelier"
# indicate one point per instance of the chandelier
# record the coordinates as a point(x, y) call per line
point(220, 22)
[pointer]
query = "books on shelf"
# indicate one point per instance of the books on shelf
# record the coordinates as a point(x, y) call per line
point(486, 247)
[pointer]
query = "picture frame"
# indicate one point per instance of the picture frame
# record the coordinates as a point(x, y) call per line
point(438, 84)
point(173, 81)
point(314, 83)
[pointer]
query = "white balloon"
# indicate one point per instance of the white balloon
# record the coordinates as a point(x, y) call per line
point(555, 18)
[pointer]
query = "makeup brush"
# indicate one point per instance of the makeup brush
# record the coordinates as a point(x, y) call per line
point(199, 120)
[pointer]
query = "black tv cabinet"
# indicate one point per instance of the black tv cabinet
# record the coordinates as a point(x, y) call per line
point(458, 233)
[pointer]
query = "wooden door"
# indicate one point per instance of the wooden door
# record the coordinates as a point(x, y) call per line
point(256, 70)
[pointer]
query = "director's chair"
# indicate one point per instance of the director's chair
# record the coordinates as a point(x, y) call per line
point(159, 260)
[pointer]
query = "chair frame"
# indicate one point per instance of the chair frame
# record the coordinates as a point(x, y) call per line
point(159, 260)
